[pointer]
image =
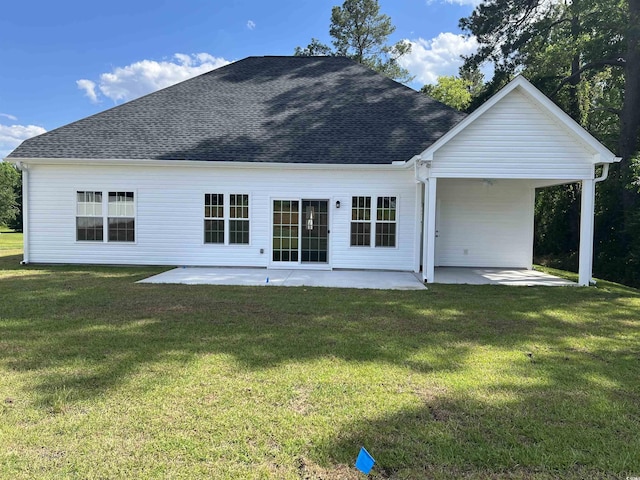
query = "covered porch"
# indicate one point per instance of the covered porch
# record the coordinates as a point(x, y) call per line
point(479, 182)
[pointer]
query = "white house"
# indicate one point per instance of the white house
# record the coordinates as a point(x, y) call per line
point(304, 162)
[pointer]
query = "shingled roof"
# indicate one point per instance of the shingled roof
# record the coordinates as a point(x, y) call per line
point(261, 109)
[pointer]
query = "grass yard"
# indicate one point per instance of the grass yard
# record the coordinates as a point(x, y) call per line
point(104, 378)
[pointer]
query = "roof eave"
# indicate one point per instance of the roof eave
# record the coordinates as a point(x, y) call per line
point(395, 165)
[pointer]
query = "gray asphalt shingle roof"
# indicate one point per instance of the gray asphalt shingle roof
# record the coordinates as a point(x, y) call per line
point(261, 109)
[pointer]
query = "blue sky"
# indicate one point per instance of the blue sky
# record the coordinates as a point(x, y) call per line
point(65, 60)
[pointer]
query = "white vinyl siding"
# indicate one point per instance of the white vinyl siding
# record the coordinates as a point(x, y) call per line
point(483, 223)
point(514, 139)
point(169, 213)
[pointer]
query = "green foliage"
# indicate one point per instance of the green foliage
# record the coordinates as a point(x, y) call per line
point(360, 32)
point(451, 91)
point(455, 91)
point(9, 184)
point(315, 49)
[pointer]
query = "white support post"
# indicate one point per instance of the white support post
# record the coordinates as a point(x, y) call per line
point(428, 266)
point(425, 232)
point(585, 268)
point(417, 243)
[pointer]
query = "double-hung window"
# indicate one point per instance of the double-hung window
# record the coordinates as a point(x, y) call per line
point(386, 222)
point(214, 218)
point(360, 221)
point(92, 217)
point(121, 217)
point(89, 221)
point(218, 219)
point(381, 226)
point(239, 219)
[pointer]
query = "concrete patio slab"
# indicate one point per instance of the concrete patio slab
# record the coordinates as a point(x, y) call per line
point(498, 276)
point(382, 280)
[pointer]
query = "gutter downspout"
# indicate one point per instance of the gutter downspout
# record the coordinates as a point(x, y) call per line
point(25, 210)
point(604, 174)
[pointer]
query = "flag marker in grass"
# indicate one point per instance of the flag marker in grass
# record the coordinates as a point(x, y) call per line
point(365, 461)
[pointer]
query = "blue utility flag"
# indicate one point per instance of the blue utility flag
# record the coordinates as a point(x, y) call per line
point(365, 461)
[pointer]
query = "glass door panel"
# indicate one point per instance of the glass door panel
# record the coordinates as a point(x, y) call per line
point(286, 230)
point(315, 231)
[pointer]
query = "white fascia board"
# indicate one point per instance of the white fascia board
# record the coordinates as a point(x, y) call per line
point(604, 154)
point(208, 164)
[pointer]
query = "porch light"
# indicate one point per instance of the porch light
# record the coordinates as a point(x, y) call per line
point(337, 203)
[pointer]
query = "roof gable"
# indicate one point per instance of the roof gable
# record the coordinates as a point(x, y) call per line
point(261, 109)
point(545, 117)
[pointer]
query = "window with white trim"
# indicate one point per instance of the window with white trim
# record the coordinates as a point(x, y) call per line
point(121, 217)
point(214, 218)
point(89, 220)
point(218, 220)
point(382, 227)
point(360, 221)
point(239, 219)
point(386, 222)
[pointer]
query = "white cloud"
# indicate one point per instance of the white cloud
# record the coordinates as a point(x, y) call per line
point(12, 135)
point(439, 56)
point(10, 117)
point(89, 88)
point(146, 76)
point(251, 24)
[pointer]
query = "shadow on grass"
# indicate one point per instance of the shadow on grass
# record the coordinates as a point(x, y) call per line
point(89, 329)
point(533, 436)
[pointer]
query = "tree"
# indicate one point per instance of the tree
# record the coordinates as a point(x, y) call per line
point(360, 32)
point(315, 49)
point(9, 181)
point(456, 92)
point(450, 90)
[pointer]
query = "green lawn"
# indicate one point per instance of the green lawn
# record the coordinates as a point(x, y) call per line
point(104, 378)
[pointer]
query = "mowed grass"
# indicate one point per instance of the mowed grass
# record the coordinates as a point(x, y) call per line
point(101, 377)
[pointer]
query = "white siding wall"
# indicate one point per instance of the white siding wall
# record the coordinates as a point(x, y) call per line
point(514, 139)
point(169, 220)
point(482, 225)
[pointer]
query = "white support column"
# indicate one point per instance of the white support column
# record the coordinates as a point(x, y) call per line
point(417, 243)
point(428, 267)
point(425, 223)
point(585, 267)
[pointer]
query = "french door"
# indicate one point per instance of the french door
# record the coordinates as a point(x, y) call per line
point(300, 232)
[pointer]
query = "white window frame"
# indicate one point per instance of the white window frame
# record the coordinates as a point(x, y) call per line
point(104, 214)
point(83, 212)
point(226, 218)
point(121, 210)
point(373, 220)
